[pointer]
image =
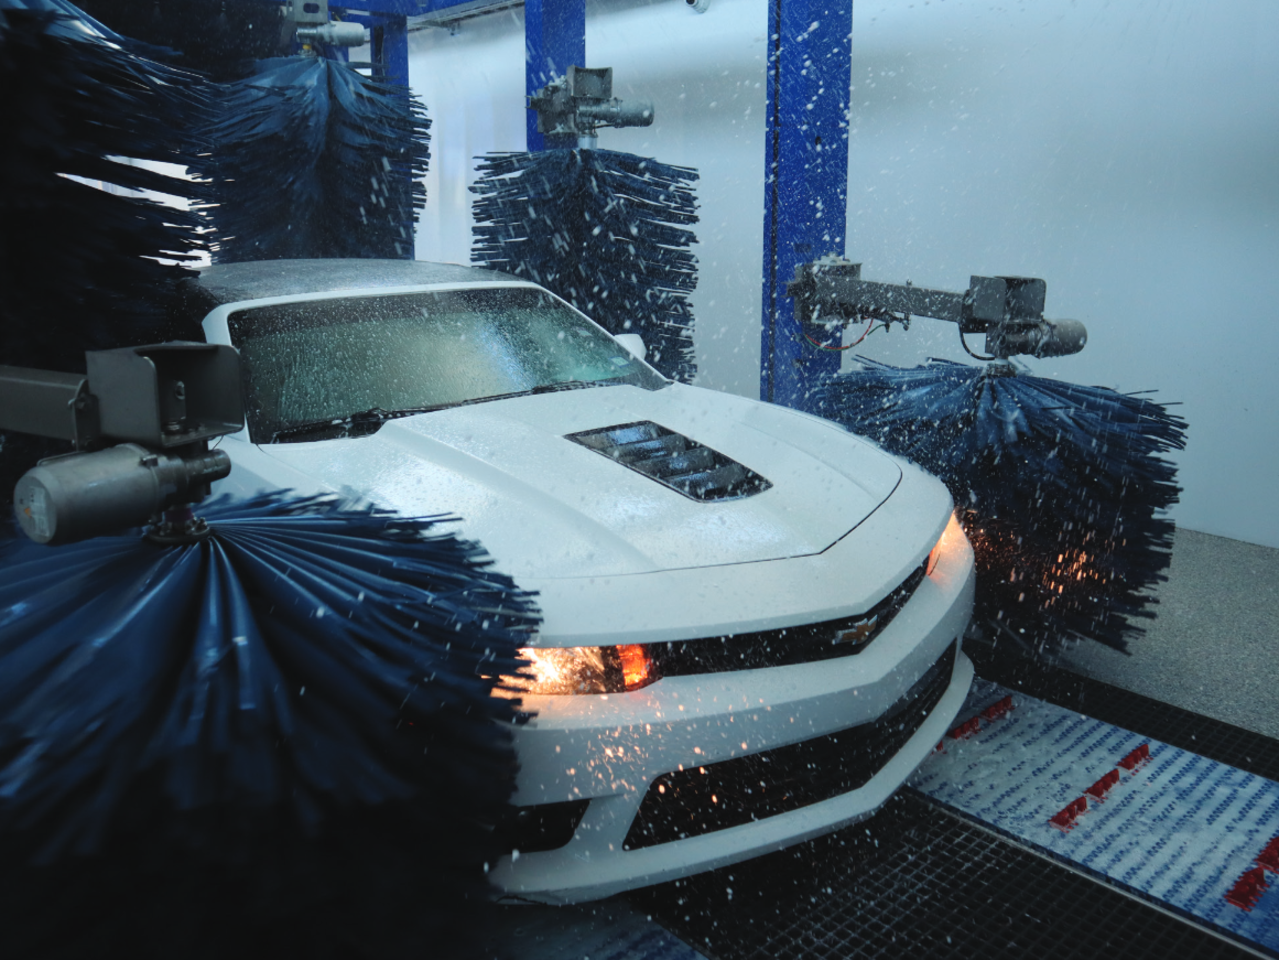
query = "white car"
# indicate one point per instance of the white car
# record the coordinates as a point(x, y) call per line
point(752, 618)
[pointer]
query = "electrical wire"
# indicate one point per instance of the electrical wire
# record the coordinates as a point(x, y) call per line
point(870, 327)
point(975, 356)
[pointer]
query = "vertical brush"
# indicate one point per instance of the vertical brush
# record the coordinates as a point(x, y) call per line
point(1063, 489)
point(281, 733)
point(310, 159)
point(85, 262)
point(280, 737)
point(607, 231)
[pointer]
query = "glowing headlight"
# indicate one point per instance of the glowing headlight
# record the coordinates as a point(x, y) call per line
point(572, 670)
point(951, 535)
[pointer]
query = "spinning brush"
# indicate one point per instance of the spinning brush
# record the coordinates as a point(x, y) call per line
point(281, 729)
point(83, 267)
point(607, 231)
point(1062, 488)
point(304, 156)
point(311, 159)
point(269, 732)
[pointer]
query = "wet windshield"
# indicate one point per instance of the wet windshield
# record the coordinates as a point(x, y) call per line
point(309, 364)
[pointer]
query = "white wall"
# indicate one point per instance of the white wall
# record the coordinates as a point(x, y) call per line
point(704, 74)
point(1128, 153)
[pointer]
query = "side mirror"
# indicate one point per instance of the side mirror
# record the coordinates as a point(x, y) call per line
point(633, 343)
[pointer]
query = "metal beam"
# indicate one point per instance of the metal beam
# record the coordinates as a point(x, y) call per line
point(391, 50)
point(452, 16)
point(392, 8)
point(805, 180)
point(388, 41)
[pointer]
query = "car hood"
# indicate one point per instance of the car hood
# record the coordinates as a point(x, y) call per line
point(546, 507)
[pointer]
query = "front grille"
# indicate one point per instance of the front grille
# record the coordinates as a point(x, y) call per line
point(700, 800)
point(674, 460)
point(777, 648)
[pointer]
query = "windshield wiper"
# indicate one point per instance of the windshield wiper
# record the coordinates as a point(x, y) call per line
point(575, 385)
point(374, 417)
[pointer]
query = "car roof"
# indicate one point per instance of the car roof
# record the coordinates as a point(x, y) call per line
point(225, 283)
point(258, 279)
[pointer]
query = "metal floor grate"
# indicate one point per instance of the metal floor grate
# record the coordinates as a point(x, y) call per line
point(916, 881)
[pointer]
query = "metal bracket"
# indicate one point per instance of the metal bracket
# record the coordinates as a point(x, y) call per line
point(580, 102)
point(165, 396)
point(166, 401)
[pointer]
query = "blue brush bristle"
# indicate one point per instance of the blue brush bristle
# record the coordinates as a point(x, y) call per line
point(219, 38)
point(1062, 488)
point(310, 159)
point(84, 267)
point(607, 231)
point(287, 724)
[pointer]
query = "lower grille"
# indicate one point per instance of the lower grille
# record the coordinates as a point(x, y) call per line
point(701, 800)
point(546, 826)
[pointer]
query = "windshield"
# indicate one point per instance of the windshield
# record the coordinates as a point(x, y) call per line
point(310, 364)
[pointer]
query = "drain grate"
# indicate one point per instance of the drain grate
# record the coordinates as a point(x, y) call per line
point(915, 881)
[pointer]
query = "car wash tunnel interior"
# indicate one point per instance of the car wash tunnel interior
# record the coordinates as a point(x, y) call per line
point(430, 428)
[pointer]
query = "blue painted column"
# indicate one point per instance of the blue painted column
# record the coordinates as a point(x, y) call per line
point(554, 40)
point(390, 36)
point(805, 181)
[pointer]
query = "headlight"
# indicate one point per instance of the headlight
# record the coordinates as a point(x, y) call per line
point(573, 670)
point(953, 534)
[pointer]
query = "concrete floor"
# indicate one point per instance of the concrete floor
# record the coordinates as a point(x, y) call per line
point(1214, 646)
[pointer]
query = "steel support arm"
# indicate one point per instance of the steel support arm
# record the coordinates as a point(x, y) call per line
point(48, 403)
point(830, 293)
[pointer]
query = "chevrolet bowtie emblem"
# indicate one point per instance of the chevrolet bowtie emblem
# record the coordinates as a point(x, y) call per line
point(859, 632)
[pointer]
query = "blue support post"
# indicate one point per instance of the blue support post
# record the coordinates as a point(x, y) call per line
point(390, 35)
point(388, 26)
point(554, 40)
point(805, 181)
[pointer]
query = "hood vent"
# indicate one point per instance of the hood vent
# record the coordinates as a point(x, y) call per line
point(672, 459)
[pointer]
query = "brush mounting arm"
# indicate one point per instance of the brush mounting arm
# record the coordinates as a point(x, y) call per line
point(582, 101)
point(164, 401)
point(1009, 310)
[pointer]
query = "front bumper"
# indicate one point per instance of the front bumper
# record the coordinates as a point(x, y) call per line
point(610, 748)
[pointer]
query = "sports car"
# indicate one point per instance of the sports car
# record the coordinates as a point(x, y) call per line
point(752, 619)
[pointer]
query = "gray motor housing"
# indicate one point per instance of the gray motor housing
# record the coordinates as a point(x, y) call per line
point(81, 495)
